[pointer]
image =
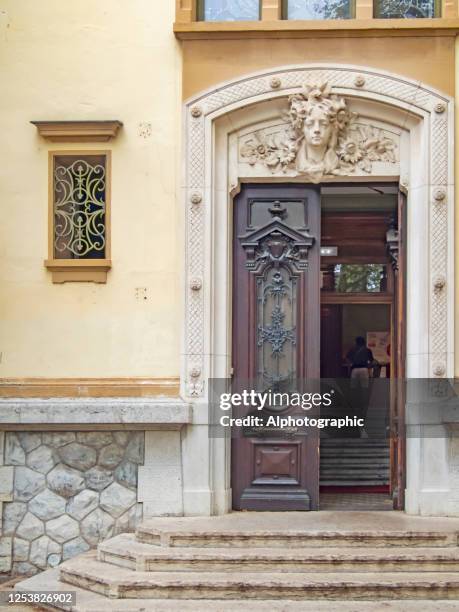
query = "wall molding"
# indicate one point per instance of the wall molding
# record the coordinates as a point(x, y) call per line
point(88, 387)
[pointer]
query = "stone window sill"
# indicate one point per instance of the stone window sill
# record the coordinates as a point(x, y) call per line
point(78, 270)
point(329, 27)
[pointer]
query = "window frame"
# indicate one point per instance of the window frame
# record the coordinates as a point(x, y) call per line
point(79, 270)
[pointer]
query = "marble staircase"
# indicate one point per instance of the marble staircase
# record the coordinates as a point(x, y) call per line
point(268, 561)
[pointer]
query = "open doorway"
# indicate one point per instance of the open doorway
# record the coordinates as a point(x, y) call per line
point(357, 309)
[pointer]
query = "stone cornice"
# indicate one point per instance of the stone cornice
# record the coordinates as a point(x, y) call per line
point(78, 131)
point(93, 413)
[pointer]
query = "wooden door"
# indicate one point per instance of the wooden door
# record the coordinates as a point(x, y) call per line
point(397, 250)
point(276, 335)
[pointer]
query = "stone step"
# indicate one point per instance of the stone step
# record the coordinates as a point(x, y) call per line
point(88, 601)
point(354, 442)
point(360, 480)
point(368, 453)
point(347, 482)
point(364, 471)
point(115, 582)
point(125, 551)
point(354, 461)
point(196, 534)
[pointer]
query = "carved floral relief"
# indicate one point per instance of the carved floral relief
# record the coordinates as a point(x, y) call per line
point(322, 138)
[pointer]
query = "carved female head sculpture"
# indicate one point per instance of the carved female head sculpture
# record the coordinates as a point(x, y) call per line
point(322, 139)
point(317, 119)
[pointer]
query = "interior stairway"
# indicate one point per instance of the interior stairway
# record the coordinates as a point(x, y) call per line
point(354, 462)
point(268, 561)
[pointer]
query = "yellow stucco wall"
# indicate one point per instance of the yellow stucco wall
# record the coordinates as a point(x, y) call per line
point(116, 60)
point(108, 59)
point(425, 58)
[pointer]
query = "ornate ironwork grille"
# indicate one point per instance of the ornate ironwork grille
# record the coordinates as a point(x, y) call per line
point(79, 206)
point(277, 304)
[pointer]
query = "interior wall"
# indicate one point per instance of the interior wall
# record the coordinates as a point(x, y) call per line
point(91, 60)
point(358, 319)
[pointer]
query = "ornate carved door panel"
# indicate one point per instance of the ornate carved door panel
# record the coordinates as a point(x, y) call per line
point(276, 336)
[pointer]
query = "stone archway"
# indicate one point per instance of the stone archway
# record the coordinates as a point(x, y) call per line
point(216, 124)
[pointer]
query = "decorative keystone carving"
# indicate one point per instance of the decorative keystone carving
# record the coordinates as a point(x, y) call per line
point(196, 111)
point(196, 198)
point(440, 107)
point(359, 80)
point(275, 83)
point(439, 195)
point(322, 139)
point(439, 369)
point(195, 284)
point(439, 283)
point(195, 372)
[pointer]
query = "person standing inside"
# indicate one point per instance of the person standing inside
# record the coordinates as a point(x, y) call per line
point(361, 359)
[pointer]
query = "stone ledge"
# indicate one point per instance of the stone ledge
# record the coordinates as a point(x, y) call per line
point(93, 414)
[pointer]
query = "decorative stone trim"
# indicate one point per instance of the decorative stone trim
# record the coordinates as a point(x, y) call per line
point(82, 413)
point(439, 370)
point(78, 131)
point(439, 283)
point(440, 107)
point(196, 198)
point(440, 195)
point(195, 284)
point(196, 112)
point(422, 103)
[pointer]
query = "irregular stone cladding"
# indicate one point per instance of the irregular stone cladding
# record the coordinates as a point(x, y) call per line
point(71, 490)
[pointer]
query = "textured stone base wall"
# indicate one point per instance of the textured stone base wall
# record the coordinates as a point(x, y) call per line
point(70, 491)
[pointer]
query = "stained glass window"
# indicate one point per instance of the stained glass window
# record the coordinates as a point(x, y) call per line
point(229, 10)
point(319, 9)
point(396, 9)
